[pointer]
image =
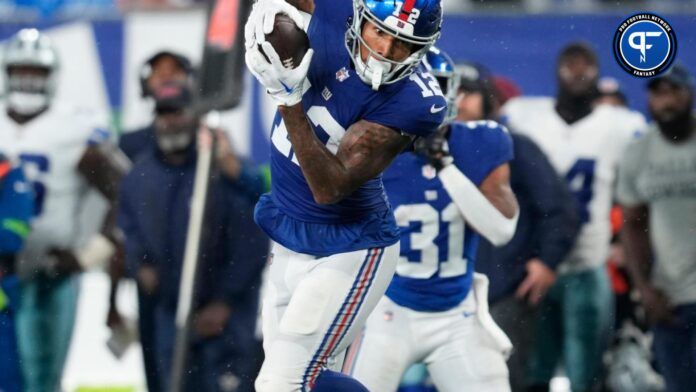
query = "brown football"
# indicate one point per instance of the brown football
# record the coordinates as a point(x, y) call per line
point(288, 40)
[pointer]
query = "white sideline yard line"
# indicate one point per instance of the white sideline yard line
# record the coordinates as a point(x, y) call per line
point(90, 366)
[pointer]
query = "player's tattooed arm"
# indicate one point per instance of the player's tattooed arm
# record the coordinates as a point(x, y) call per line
point(365, 151)
point(303, 5)
point(496, 188)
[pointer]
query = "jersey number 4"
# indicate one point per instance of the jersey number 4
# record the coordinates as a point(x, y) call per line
point(580, 178)
point(430, 220)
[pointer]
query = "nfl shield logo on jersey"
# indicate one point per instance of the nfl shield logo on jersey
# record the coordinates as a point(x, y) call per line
point(429, 172)
point(342, 74)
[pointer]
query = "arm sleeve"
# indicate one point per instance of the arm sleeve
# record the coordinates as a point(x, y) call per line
point(135, 250)
point(478, 148)
point(246, 249)
point(16, 210)
point(553, 212)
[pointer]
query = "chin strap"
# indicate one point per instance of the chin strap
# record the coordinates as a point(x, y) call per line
point(372, 71)
point(376, 78)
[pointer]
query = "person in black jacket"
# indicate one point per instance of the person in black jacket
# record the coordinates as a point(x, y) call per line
point(163, 71)
point(159, 73)
point(522, 271)
point(154, 210)
point(162, 68)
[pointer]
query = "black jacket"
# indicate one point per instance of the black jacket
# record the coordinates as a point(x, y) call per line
point(547, 226)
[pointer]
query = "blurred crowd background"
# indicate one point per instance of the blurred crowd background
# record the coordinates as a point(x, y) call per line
point(106, 51)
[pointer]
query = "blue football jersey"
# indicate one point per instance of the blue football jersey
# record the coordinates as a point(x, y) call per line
point(336, 99)
point(438, 250)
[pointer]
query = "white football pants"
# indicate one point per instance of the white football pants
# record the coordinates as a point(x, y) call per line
point(313, 308)
point(463, 349)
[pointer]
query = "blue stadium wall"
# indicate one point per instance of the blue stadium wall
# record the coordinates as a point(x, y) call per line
point(522, 47)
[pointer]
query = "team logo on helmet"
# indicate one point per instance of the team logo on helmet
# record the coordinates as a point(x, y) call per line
point(404, 17)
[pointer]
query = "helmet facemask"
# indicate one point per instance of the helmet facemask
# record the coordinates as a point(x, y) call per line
point(377, 69)
point(29, 89)
point(30, 65)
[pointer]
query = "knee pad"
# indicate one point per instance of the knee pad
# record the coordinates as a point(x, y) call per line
point(329, 381)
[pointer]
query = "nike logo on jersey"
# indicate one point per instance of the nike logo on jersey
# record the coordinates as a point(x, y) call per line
point(434, 109)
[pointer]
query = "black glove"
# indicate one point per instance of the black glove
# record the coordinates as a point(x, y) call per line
point(435, 148)
point(64, 263)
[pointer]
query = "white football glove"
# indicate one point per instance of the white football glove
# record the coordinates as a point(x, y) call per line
point(285, 85)
point(262, 18)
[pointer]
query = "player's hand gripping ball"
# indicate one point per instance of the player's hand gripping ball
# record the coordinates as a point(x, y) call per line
point(289, 41)
point(277, 50)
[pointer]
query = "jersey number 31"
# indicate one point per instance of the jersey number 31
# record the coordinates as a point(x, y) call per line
point(426, 242)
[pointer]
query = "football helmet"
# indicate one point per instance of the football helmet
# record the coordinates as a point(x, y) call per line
point(477, 78)
point(629, 363)
point(28, 93)
point(442, 67)
point(417, 22)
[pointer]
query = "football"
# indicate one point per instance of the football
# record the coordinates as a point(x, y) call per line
point(289, 41)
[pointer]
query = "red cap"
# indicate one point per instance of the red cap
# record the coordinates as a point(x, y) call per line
point(505, 89)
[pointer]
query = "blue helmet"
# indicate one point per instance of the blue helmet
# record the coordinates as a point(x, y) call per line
point(417, 22)
point(442, 67)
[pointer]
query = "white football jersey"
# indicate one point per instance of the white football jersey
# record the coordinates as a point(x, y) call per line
point(586, 153)
point(49, 148)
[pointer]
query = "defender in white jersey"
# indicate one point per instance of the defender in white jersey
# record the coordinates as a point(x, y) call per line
point(61, 153)
point(454, 187)
point(584, 143)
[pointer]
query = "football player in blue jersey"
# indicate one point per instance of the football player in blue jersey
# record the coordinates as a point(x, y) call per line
point(358, 97)
point(16, 210)
point(451, 189)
